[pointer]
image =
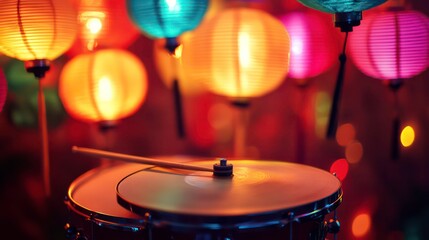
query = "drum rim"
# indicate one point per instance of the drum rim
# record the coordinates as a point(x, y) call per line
point(281, 217)
point(100, 219)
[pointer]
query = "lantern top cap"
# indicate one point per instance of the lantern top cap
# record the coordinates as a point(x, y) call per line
point(337, 6)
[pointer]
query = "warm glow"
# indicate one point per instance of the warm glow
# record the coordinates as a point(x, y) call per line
point(244, 49)
point(178, 51)
point(103, 24)
point(104, 85)
point(322, 106)
point(50, 29)
point(407, 136)
point(94, 25)
point(239, 53)
point(354, 152)
point(361, 225)
point(105, 89)
point(169, 67)
point(340, 168)
point(346, 133)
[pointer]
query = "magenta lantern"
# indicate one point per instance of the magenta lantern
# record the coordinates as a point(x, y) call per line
point(313, 43)
point(392, 45)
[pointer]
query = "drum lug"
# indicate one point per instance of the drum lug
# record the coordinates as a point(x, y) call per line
point(332, 226)
point(148, 225)
point(73, 233)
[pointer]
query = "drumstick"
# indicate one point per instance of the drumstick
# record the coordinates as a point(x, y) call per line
point(136, 159)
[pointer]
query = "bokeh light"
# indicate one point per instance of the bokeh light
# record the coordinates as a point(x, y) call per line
point(322, 107)
point(340, 168)
point(361, 224)
point(345, 135)
point(354, 152)
point(407, 136)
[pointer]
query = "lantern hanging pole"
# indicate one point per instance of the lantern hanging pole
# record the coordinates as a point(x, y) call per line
point(179, 108)
point(171, 46)
point(394, 86)
point(39, 67)
point(241, 118)
point(333, 117)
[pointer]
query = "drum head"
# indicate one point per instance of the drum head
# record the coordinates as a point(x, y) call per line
point(93, 195)
point(259, 193)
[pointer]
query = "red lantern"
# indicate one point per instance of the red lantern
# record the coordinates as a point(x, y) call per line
point(103, 86)
point(313, 44)
point(104, 24)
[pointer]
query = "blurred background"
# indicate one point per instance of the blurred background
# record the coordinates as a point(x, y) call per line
point(385, 196)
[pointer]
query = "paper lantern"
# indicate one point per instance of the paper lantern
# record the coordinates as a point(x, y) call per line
point(35, 30)
point(348, 13)
point(392, 44)
point(313, 44)
point(239, 53)
point(106, 85)
point(103, 24)
point(167, 19)
point(3, 90)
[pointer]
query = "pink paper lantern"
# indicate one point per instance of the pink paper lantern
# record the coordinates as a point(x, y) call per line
point(392, 45)
point(313, 43)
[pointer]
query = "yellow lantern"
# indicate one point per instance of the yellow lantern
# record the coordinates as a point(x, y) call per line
point(103, 86)
point(36, 32)
point(239, 53)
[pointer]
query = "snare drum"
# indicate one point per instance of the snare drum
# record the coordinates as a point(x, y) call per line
point(94, 211)
point(262, 200)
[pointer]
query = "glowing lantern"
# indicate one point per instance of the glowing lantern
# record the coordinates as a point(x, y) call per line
point(239, 53)
point(3, 90)
point(392, 45)
point(167, 19)
point(313, 45)
point(37, 32)
point(348, 14)
point(103, 23)
point(407, 136)
point(103, 86)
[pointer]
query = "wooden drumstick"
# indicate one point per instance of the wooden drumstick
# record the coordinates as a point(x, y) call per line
point(136, 159)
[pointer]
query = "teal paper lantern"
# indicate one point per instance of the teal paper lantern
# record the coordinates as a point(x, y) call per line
point(167, 18)
point(348, 13)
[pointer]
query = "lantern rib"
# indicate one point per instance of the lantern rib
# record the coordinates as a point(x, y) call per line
point(158, 16)
point(54, 34)
point(92, 87)
point(369, 52)
point(22, 31)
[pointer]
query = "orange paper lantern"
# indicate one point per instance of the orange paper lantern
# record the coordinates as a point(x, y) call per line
point(239, 53)
point(103, 86)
